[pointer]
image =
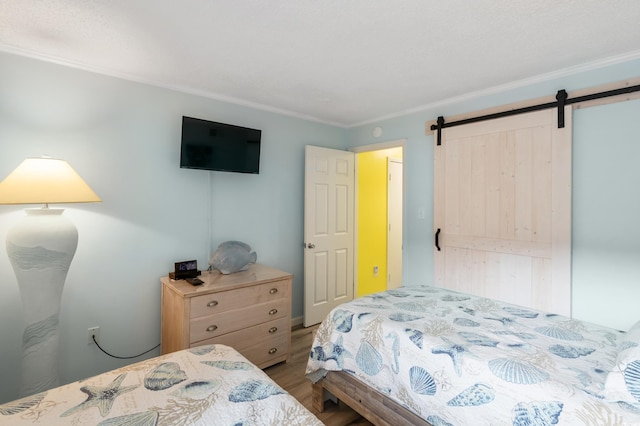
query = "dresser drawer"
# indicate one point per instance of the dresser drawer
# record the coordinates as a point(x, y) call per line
point(207, 327)
point(263, 334)
point(263, 355)
point(215, 303)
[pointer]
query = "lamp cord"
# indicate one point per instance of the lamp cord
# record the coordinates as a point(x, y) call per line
point(122, 357)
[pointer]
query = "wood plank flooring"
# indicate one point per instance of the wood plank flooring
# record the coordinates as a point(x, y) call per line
point(290, 376)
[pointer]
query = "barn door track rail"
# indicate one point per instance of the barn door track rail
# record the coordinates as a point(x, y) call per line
point(562, 99)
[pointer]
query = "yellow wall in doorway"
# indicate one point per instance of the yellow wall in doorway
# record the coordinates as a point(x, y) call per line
point(372, 219)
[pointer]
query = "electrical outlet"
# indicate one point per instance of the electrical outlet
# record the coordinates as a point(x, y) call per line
point(422, 213)
point(93, 331)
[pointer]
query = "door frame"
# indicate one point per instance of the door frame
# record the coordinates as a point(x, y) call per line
point(394, 220)
point(368, 148)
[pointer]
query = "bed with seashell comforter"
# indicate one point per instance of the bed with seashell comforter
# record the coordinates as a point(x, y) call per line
point(206, 385)
point(449, 358)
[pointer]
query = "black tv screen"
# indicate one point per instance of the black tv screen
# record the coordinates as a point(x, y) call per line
point(208, 145)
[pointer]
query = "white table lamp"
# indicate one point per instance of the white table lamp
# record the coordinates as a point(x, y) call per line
point(40, 248)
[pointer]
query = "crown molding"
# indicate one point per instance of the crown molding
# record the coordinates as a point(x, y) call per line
point(613, 60)
point(590, 66)
point(176, 88)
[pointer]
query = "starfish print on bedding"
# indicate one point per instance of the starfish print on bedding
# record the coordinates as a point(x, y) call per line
point(101, 396)
point(336, 353)
point(455, 351)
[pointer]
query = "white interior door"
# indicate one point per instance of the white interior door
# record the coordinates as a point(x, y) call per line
point(328, 231)
point(394, 223)
point(502, 205)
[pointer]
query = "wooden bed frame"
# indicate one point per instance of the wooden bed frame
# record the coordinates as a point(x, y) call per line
point(368, 402)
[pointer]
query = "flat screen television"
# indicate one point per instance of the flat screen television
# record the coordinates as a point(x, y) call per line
point(208, 145)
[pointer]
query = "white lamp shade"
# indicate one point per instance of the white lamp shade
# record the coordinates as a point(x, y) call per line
point(45, 181)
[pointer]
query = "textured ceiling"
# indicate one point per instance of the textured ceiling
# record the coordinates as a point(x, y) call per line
point(337, 61)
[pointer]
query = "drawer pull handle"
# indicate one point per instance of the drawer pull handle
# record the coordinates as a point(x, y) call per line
point(273, 291)
point(273, 330)
point(273, 312)
point(212, 303)
point(212, 328)
point(273, 351)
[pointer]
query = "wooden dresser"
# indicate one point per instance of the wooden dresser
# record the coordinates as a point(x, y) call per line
point(248, 310)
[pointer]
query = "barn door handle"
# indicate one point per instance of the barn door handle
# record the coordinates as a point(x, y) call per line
point(437, 239)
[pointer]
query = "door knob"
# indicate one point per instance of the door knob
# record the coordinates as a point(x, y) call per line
point(311, 246)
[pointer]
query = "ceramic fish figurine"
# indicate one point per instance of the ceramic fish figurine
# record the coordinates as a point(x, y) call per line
point(232, 256)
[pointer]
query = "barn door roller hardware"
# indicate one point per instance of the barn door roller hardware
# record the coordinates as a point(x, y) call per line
point(562, 99)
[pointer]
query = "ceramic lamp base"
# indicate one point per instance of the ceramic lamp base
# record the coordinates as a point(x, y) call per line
point(40, 248)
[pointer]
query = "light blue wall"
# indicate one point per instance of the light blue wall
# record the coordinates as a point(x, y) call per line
point(606, 220)
point(123, 138)
point(606, 178)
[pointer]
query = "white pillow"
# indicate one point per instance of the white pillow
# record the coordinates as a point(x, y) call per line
point(623, 382)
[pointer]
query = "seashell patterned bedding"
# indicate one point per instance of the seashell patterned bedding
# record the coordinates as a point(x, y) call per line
point(205, 385)
point(458, 359)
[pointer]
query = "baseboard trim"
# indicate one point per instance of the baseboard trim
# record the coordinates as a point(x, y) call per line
point(296, 322)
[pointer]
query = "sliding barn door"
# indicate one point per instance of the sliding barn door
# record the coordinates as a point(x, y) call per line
point(503, 210)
